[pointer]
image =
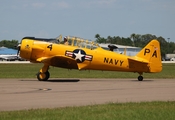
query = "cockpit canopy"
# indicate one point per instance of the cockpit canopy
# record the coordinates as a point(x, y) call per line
point(72, 41)
point(82, 43)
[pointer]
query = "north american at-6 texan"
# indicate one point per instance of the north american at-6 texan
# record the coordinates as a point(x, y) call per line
point(81, 54)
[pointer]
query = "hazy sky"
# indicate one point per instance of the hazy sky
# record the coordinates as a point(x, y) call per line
point(86, 18)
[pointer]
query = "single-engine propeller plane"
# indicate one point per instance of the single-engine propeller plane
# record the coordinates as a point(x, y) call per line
point(87, 55)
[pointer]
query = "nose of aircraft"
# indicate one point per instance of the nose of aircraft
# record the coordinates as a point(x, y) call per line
point(25, 49)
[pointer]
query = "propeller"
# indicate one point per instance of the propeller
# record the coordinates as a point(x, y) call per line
point(18, 49)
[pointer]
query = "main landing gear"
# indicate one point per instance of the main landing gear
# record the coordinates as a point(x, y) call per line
point(140, 77)
point(43, 74)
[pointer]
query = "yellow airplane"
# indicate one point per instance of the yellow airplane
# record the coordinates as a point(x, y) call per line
point(87, 55)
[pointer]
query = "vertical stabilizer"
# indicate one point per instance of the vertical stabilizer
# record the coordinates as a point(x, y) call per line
point(151, 54)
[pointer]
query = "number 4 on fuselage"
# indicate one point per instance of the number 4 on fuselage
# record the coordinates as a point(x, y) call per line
point(86, 55)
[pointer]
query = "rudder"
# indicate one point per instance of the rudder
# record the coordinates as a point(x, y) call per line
point(151, 54)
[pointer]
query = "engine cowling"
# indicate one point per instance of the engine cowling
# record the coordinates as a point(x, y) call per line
point(26, 49)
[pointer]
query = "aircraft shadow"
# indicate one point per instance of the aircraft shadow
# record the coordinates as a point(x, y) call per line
point(78, 80)
point(53, 80)
point(63, 80)
point(143, 81)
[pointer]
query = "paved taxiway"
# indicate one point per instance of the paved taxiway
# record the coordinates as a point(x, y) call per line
point(18, 94)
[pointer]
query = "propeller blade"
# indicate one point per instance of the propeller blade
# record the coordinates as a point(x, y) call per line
point(18, 48)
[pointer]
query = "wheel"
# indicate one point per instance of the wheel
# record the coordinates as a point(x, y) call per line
point(140, 78)
point(43, 76)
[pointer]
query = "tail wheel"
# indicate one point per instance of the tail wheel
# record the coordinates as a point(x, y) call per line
point(140, 78)
point(43, 76)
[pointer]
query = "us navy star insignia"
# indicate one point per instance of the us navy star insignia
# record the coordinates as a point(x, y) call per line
point(78, 56)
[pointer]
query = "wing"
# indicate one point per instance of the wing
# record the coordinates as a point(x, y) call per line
point(59, 61)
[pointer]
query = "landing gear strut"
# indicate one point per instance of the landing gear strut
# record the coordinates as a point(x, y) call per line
point(43, 74)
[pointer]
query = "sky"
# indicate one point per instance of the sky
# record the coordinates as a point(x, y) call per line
point(86, 18)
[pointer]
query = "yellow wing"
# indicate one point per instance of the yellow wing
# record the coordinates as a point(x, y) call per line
point(59, 61)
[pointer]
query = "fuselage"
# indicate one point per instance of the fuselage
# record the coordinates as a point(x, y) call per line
point(77, 53)
point(87, 58)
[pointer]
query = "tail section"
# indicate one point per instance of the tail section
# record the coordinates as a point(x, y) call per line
point(151, 54)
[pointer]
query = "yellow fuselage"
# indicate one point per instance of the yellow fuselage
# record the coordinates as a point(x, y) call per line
point(100, 59)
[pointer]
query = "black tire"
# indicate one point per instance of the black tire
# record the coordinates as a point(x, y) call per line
point(43, 76)
point(140, 78)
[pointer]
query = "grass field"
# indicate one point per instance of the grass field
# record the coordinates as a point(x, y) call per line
point(111, 111)
point(30, 70)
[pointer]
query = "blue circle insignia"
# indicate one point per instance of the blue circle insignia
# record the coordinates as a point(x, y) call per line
point(79, 55)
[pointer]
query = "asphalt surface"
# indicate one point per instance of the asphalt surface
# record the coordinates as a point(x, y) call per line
point(20, 94)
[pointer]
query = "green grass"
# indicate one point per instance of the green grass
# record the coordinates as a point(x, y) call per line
point(111, 111)
point(30, 70)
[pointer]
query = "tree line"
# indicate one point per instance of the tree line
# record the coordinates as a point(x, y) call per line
point(9, 43)
point(135, 40)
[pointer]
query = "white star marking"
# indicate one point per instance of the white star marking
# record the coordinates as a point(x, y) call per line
point(79, 55)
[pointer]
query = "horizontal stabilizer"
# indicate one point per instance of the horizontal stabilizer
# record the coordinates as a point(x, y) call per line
point(135, 59)
point(138, 64)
